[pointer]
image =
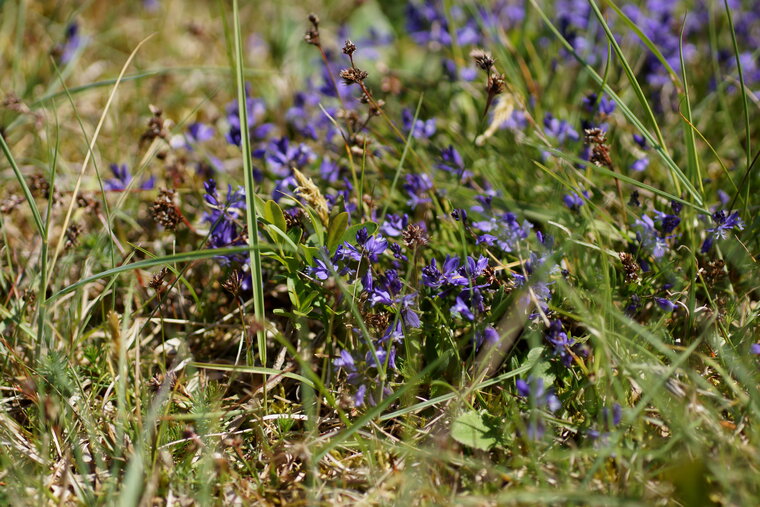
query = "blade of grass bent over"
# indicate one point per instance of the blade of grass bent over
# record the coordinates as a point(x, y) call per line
point(70, 209)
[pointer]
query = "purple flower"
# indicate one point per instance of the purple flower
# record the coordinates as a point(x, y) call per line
point(374, 247)
point(649, 237)
point(224, 217)
point(640, 164)
point(122, 179)
point(281, 156)
point(346, 361)
point(573, 201)
point(606, 105)
point(665, 304)
point(422, 129)
point(320, 272)
point(559, 129)
point(451, 161)
point(724, 224)
point(394, 225)
point(460, 308)
point(755, 348)
point(417, 187)
point(72, 42)
point(507, 231)
point(557, 337)
point(255, 110)
point(488, 335)
point(539, 397)
point(199, 132)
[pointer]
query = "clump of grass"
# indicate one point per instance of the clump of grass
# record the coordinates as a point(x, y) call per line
point(244, 265)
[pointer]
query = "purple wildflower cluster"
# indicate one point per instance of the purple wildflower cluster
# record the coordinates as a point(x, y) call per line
point(539, 398)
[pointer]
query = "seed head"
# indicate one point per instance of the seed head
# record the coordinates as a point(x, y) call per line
point(600, 156)
point(10, 203)
point(349, 48)
point(630, 266)
point(414, 236)
point(482, 59)
point(164, 211)
point(496, 84)
point(73, 232)
point(595, 136)
point(158, 279)
point(39, 186)
point(311, 194)
point(353, 75)
point(234, 283)
point(312, 34)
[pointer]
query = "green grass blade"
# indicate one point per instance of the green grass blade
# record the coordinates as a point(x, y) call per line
point(24, 188)
point(691, 144)
point(148, 263)
point(251, 214)
point(644, 38)
point(259, 370)
point(745, 105)
point(630, 116)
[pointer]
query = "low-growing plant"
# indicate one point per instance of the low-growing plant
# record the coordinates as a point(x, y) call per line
point(432, 252)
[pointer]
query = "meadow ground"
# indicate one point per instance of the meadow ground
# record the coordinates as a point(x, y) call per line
point(505, 252)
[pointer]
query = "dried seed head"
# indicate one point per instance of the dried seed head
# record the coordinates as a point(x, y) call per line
point(39, 186)
point(349, 48)
point(391, 84)
point(294, 218)
point(376, 107)
point(496, 84)
point(234, 283)
point(10, 203)
point(164, 211)
point(312, 35)
point(88, 202)
point(377, 321)
point(714, 272)
point(159, 379)
point(489, 274)
point(594, 136)
point(414, 236)
point(600, 156)
point(73, 232)
point(630, 266)
point(157, 282)
point(482, 59)
point(156, 126)
point(353, 75)
point(311, 194)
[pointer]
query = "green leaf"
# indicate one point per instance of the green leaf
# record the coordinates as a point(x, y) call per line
point(273, 214)
point(335, 232)
point(471, 430)
point(350, 235)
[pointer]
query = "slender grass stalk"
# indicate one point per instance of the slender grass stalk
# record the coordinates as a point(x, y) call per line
point(745, 106)
point(251, 214)
point(674, 170)
point(400, 166)
point(24, 187)
point(101, 122)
